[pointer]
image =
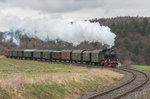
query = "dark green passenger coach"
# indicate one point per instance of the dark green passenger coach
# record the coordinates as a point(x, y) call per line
point(77, 55)
point(20, 53)
point(15, 55)
point(47, 54)
point(28, 53)
point(87, 56)
point(37, 54)
point(97, 56)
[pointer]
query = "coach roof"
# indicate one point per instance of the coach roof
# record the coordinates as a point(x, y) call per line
point(29, 50)
point(66, 50)
point(97, 51)
point(49, 50)
point(77, 51)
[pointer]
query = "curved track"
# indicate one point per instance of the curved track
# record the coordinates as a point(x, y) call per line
point(137, 80)
point(138, 86)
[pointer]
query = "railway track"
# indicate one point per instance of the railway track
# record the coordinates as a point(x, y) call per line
point(137, 80)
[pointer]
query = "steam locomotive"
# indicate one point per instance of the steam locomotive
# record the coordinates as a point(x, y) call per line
point(102, 57)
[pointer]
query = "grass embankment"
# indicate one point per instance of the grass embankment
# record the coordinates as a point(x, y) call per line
point(36, 80)
point(141, 67)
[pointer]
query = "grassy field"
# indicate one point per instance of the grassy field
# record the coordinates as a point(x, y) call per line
point(21, 79)
point(141, 67)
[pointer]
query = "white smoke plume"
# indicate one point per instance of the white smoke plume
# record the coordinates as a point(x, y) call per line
point(75, 32)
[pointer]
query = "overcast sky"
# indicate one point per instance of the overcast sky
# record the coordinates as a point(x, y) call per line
point(76, 9)
point(71, 9)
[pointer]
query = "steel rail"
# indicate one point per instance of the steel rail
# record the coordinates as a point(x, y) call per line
point(130, 81)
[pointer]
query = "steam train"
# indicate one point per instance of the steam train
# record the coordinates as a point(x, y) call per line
point(102, 57)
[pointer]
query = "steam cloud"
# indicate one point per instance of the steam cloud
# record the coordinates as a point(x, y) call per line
point(53, 29)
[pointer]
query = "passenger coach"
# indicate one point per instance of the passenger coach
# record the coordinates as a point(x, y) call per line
point(103, 57)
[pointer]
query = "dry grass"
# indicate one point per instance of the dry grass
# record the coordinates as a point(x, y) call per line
point(35, 79)
point(14, 82)
point(127, 62)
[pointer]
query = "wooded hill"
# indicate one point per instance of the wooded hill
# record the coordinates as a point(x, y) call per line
point(133, 37)
point(132, 41)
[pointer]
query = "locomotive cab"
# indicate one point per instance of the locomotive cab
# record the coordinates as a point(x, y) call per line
point(110, 58)
point(113, 62)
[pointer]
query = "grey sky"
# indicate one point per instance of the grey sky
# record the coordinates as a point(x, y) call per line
point(13, 11)
point(80, 9)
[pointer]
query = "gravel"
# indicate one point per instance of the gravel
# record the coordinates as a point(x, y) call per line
point(139, 94)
